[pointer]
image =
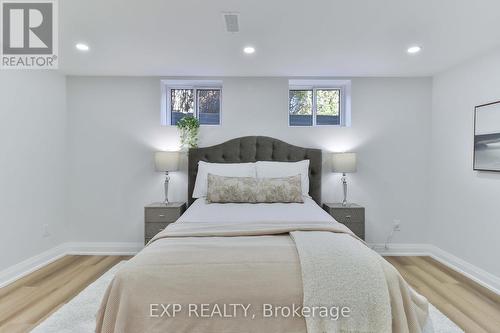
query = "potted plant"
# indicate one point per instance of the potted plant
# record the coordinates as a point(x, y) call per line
point(188, 128)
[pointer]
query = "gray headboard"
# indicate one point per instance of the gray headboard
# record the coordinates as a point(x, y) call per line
point(257, 148)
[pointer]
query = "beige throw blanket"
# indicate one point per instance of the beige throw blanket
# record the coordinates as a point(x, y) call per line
point(250, 264)
point(360, 286)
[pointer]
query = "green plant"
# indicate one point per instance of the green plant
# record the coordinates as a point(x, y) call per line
point(188, 128)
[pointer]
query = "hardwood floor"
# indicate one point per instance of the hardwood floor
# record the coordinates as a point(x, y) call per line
point(31, 299)
point(471, 306)
point(28, 301)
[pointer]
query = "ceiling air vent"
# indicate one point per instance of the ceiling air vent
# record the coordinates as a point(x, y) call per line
point(231, 22)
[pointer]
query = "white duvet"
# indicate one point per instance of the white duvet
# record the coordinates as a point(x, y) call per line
point(201, 211)
point(243, 253)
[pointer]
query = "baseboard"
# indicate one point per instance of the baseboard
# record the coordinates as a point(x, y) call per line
point(30, 265)
point(474, 273)
point(465, 268)
point(400, 249)
point(27, 266)
point(90, 248)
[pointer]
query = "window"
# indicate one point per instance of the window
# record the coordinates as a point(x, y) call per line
point(301, 107)
point(200, 99)
point(315, 103)
point(328, 106)
point(181, 104)
point(209, 106)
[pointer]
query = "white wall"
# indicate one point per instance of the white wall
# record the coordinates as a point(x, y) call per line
point(114, 128)
point(32, 163)
point(105, 141)
point(464, 209)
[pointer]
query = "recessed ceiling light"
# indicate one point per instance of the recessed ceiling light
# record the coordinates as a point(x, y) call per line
point(249, 49)
point(414, 49)
point(82, 47)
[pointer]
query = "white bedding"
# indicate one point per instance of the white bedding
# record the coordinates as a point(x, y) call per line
point(224, 253)
point(201, 211)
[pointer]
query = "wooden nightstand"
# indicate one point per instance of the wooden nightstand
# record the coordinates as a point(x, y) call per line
point(352, 216)
point(158, 215)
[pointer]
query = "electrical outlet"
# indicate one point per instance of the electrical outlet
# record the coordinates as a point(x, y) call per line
point(396, 225)
point(46, 231)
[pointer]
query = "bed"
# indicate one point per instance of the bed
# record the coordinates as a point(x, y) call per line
point(265, 267)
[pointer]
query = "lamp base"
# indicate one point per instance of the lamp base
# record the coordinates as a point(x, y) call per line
point(167, 179)
point(344, 186)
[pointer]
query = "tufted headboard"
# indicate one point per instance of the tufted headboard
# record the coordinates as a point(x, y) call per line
point(257, 148)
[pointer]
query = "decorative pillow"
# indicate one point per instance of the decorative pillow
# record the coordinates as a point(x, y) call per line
point(231, 189)
point(267, 169)
point(221, 169)
point(251, 190)
point(286, 189)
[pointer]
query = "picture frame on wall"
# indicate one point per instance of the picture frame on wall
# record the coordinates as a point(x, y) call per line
point(487, 137)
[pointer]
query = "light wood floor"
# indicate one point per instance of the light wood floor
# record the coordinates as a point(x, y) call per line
point(28, 301)
point(471, 306)
point(33, 298)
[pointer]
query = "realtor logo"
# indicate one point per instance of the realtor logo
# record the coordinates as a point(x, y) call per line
point(29, 34)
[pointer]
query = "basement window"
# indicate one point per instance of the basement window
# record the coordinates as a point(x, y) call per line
point(199, 99)
point(319, 102)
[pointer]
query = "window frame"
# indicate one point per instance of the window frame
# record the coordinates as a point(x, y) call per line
point(168, 86)
point(315, 87)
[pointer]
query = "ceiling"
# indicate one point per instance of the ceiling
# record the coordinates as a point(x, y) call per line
point(292, 38)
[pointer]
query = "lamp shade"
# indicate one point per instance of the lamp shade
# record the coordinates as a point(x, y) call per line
point(344, 162)
point(166, 161)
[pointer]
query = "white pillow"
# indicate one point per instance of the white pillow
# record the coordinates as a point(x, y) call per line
point(285, 169)
point(220, 169)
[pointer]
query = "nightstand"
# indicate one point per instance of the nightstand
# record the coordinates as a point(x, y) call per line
point(351, 215)
point(158, 215)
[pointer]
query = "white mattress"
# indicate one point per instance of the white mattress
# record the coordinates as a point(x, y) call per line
point(201, 211)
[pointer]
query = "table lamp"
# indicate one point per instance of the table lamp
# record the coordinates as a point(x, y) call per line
point(166, 161)
point(344, 163)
